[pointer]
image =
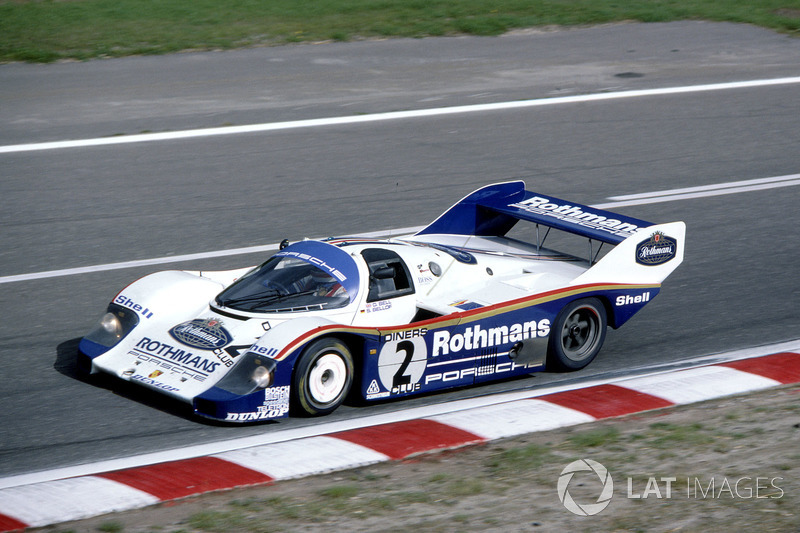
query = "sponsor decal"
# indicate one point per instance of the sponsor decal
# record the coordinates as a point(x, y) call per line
point(226, 355)
point(203, 334)
point(276, 398)
point(580, 216)
point(155, 374)
point(276, 393)
point(266, 351)
point(255, 416)
point(184, 359)
point(656, 250)
point(627, 299)
point(374, 391)
point(483, 370)
point(261, 414)
point(154, 383)
point(124, 301)
point(407, 334)
point(476, 337)
point(276, 404)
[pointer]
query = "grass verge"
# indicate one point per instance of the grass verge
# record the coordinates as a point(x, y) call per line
point(50, 30)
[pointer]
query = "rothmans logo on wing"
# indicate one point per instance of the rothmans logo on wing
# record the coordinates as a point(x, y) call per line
point(656, 250)
point(579, 215)
point(204, 334)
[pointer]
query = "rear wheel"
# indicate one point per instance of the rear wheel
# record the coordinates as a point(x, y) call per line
point(578, 334)
point(323, 377)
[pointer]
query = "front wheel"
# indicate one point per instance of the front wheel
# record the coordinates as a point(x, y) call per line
point(578, 334)
point(322, 378)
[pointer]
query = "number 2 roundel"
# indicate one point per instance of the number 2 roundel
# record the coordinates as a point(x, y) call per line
point(402, 362)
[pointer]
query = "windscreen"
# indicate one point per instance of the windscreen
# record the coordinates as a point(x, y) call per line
point(306, 276)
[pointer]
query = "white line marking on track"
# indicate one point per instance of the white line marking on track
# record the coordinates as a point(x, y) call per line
point(719, 189)
point(182, 258)
point(704, 191)
point(396, 115)
point(714, 187)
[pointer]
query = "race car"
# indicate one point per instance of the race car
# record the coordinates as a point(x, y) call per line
point(480, 294)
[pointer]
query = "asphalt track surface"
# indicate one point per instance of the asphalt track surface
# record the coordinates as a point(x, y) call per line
point(80, 207)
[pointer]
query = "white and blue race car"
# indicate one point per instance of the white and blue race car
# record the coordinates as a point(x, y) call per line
point(473, 297)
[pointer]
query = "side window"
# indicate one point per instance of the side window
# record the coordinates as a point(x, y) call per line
point(388, 275)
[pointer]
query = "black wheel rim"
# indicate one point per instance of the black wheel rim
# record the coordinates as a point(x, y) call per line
point(581, 333)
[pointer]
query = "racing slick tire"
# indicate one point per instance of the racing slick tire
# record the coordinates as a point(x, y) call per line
point(577, 334)
point(322, 378)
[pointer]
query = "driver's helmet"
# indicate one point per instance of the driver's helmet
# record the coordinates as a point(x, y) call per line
point(325, 285)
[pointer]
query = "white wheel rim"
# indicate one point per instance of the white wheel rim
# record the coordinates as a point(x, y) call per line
point(327, 378)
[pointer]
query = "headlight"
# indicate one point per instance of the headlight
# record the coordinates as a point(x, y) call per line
point(251, 373)
point(113, 326)
point(262, 377)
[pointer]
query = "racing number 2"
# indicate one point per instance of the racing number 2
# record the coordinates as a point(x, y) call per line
point(402, 363)
point(400, 377)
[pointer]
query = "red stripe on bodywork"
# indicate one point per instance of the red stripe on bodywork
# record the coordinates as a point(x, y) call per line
point(604, 401)
point(178, 479)
point(319, 331)
point(11, 524)
point(783, 367)
point(398, 440)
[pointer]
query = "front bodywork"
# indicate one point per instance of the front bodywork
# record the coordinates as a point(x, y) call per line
point(459, 303)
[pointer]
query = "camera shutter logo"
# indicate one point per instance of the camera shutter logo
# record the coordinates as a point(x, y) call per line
point(587, 509)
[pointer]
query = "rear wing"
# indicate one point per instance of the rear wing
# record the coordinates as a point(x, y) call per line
point(493, 210)
point(644, 253)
